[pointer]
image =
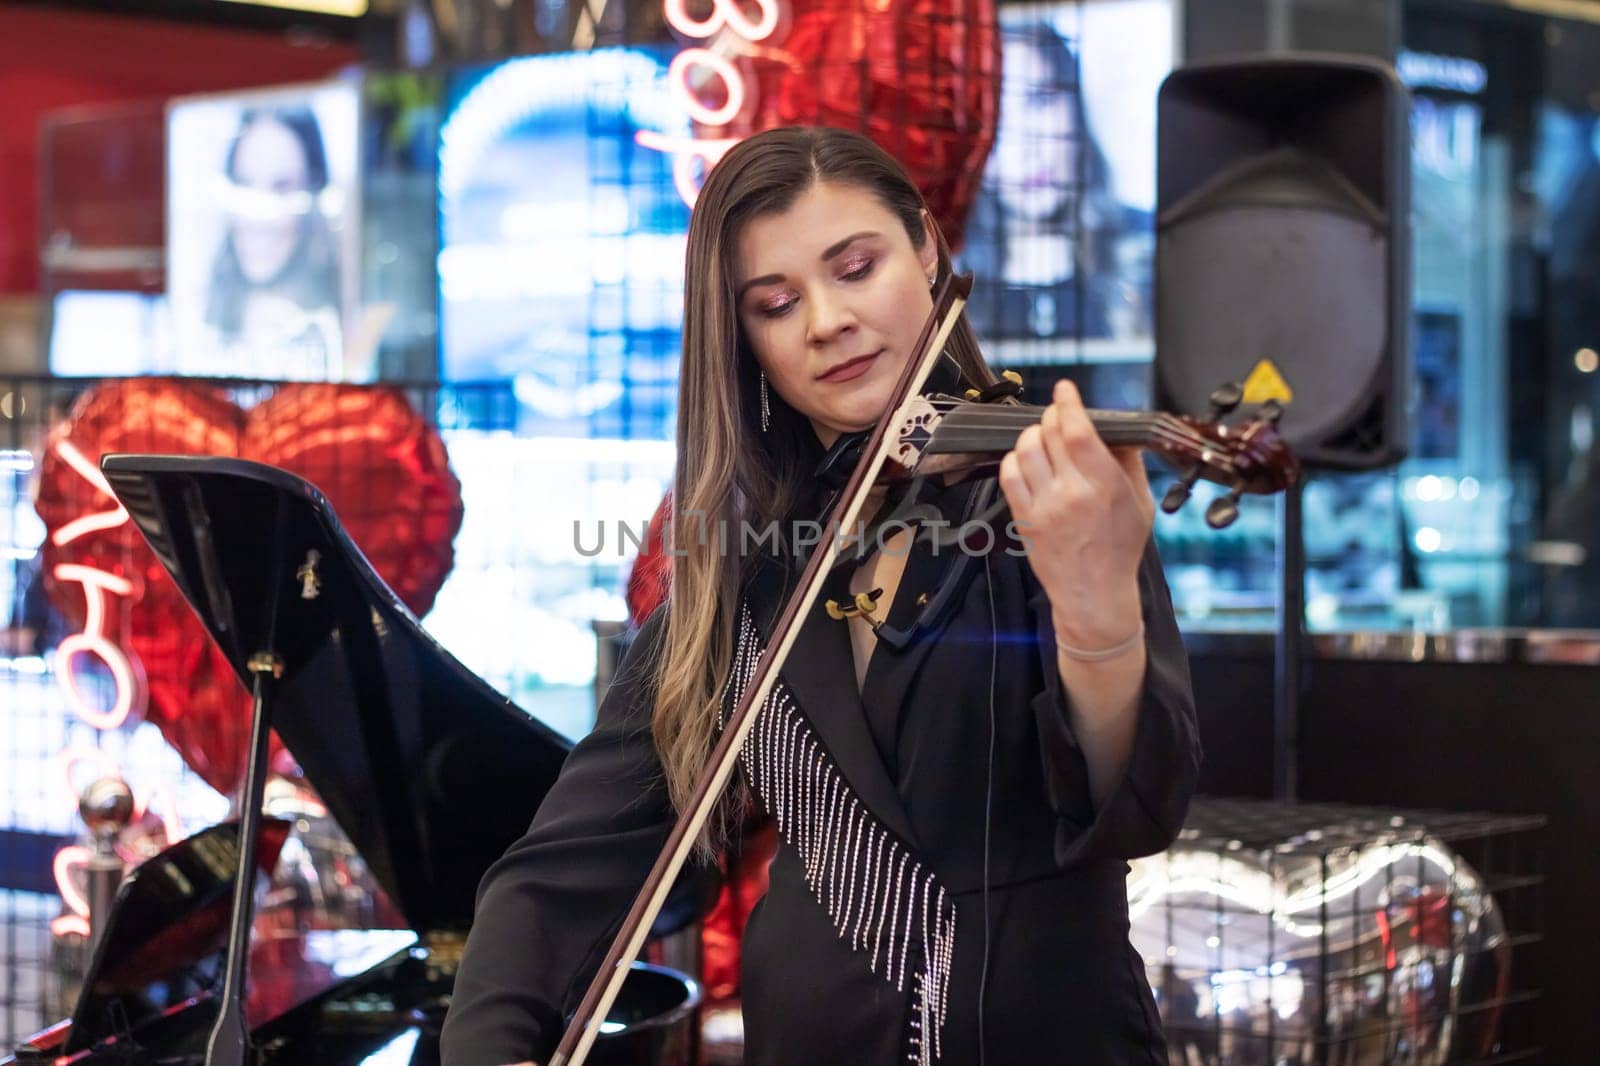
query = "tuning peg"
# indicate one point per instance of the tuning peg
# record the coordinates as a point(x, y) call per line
point(1224, 398)
point(1009, 384)
point(1270, 412)
point(1223, 510)
point(1178, 493)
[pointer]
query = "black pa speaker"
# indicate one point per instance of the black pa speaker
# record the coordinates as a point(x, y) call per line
point(1283, 248)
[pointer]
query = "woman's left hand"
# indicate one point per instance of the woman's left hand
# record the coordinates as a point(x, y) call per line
point(1084, 512)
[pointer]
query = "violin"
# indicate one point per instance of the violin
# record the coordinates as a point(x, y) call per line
point(920, 436)
point(957, 438)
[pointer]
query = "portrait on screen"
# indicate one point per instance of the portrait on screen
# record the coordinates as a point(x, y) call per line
point(1061, 237)
point(263, 220)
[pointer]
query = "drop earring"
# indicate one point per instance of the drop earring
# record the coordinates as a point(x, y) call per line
point(766, 407)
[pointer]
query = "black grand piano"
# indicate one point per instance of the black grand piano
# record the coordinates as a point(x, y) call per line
point(430, 772)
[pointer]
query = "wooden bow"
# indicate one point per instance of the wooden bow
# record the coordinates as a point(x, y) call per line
point(949, 297)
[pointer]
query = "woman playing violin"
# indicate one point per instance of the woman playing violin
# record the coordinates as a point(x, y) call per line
point(955, 804)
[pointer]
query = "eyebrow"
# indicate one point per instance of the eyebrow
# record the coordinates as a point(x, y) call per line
point(828, 253)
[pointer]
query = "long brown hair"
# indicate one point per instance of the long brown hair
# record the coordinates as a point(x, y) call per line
point(730, 471)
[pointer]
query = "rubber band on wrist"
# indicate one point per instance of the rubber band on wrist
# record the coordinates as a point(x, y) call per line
point(1100, 655)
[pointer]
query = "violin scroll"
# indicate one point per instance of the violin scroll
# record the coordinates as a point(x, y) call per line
point(1246, 459)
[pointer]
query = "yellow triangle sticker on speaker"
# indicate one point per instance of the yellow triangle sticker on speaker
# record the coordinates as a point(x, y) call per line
point(1266, 383)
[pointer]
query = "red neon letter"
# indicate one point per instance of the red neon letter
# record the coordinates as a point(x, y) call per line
point(68, 858)
point(724, 13)
point(89, 522)
point(96, 584)
point(732, 84)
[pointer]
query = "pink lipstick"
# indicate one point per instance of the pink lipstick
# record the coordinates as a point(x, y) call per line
point(852, 368)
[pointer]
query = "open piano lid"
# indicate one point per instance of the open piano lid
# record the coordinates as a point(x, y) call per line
point(431, 772)
point(166, 930)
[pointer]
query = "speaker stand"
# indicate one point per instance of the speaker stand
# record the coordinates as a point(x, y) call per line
point(1289, 653)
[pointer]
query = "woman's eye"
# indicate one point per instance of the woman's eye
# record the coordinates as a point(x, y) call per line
point(775, 308)
point(858, 269)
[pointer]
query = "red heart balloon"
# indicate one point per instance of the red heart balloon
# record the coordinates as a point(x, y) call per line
point(382, 467)
point(176, 666)
point(920, 77)
point(380, 464)
point(650, 579)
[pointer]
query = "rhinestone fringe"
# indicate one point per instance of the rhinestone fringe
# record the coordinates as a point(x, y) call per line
point(881, 900)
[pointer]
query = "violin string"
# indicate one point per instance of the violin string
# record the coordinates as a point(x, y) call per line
point(1134, 421)
point(1216, 457)
point(1004, 419)
point(1157, 423)
point(1138, 429)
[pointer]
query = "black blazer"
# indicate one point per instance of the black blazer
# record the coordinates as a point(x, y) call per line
point(877, 938)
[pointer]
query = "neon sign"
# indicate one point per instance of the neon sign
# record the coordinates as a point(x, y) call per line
point(89, 523)
point(97, 585)
point(92, 641)
point(68, 859)
point(725, 14)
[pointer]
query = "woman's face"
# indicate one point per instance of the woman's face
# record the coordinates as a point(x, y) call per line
point(1035, 148)
point(832, 297)
point(273, 180)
